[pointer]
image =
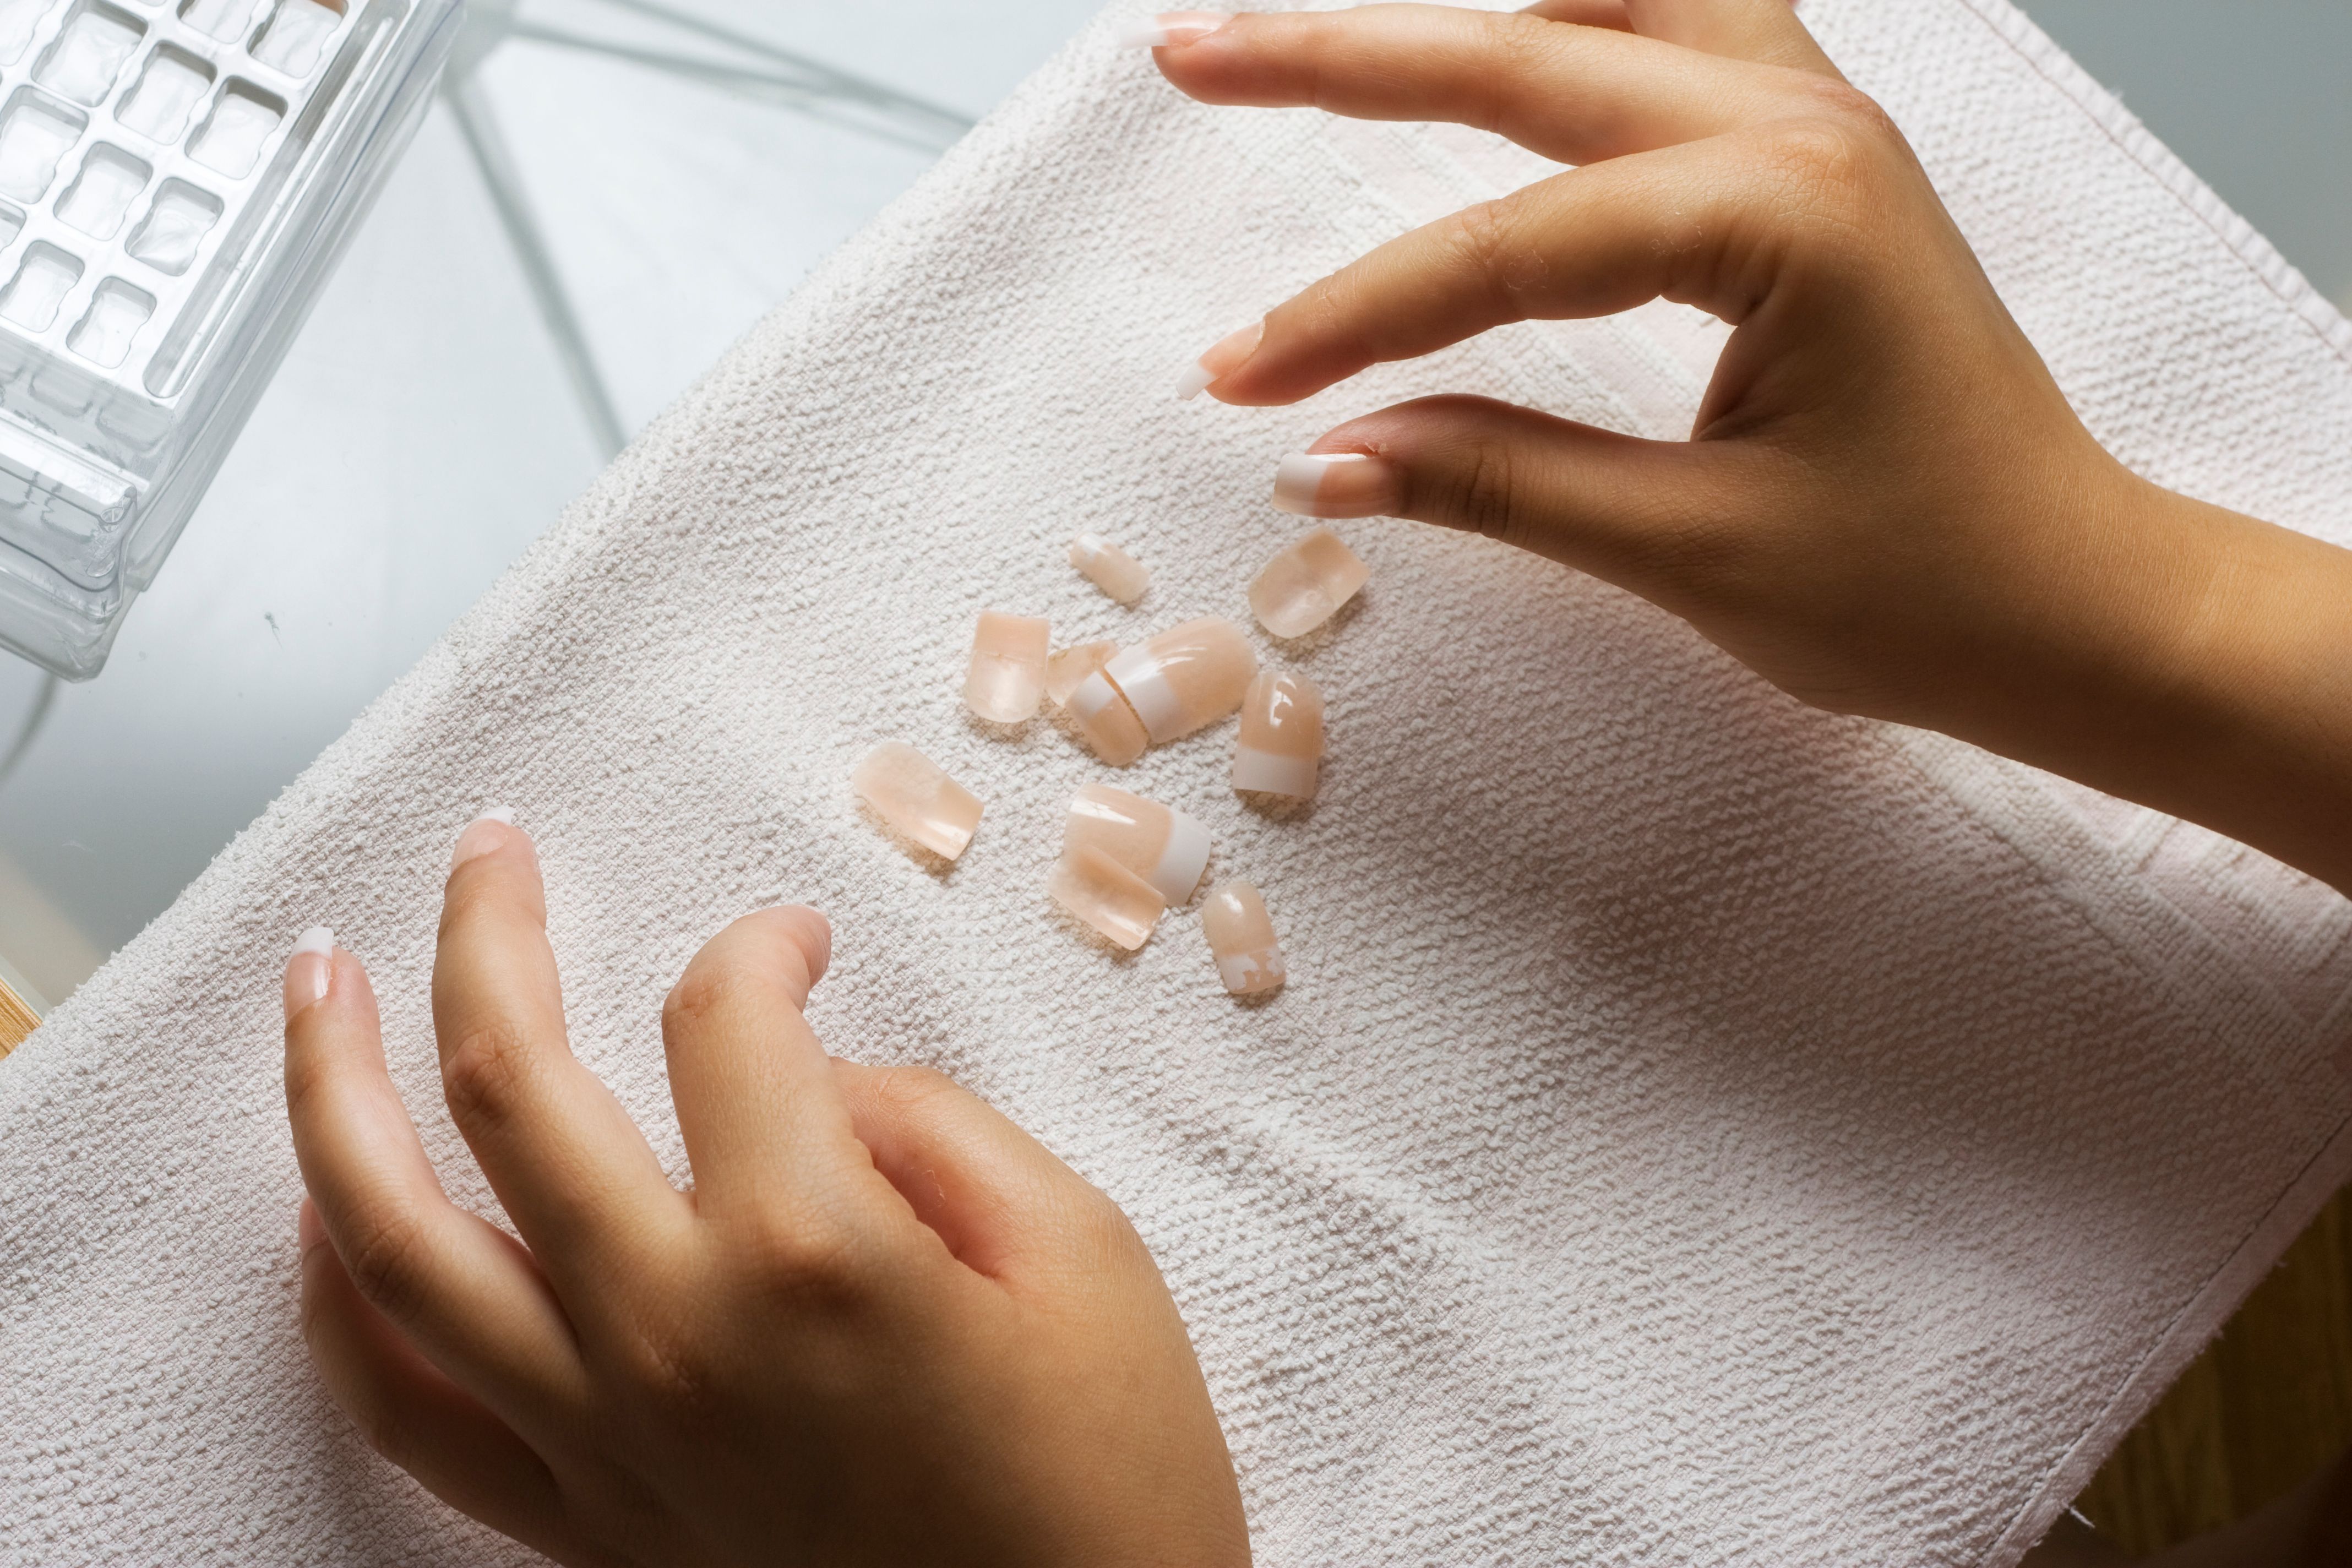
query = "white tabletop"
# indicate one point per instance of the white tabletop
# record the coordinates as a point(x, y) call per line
point(427, 425)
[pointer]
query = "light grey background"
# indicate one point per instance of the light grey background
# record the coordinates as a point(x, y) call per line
point(423, 431)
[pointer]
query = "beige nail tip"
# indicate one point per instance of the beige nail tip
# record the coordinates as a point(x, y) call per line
point(915, 796)
point(1007, 678)
point(1185, 679)
point(1106, 566)
point(1157, 843)
point(1279, 750)
point(1108, 724)
point(1304, 584)
point(1067, 670)
point(1105, 896)
point(1241, 939)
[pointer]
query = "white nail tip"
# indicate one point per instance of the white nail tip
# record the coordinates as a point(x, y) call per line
point(1193, 382)
point(504, 814)
point(1143, 36)
point(318, 940)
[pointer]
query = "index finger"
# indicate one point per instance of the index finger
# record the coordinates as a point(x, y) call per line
point(758, 1105)
point(574, 1171)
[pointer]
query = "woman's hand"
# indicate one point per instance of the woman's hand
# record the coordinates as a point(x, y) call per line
point(1886, 506)
point(884, 1326)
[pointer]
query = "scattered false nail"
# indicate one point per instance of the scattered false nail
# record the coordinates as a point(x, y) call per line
point(1109, 568)
point(1188, 677)
point(1157, 843)
point(1304, 586)
point(1008, 666)
point(1067, 669)
point(1241, 937)
point(1281, 746)
point(915, 796)
point(1105, 895)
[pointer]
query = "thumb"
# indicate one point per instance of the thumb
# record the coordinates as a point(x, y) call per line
point(1655, 517)
point(1003, 1203)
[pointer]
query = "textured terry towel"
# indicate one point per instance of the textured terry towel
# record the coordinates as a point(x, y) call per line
point(1697, 1129)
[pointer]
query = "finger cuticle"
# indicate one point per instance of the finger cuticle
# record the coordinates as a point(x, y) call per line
point(483, 834)
point(309, 970)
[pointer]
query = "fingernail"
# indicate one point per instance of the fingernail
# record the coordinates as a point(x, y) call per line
point(1109, 568)
point(1106, 721)
point(1241, 938)
point(1226, 355)
point(1067, 669)
point(1156, 842)
point(1171, 27)
point(1336, 484)
point(1006, 677)
point(1105, 895)
point(311, 971)
point(482, 835)
point(915, 796)
point(1281, 745)
point(1306, 583)
point(1186, 679)
point(309, 1230)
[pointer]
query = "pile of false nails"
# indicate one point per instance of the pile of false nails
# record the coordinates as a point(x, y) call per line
point(1125, 859)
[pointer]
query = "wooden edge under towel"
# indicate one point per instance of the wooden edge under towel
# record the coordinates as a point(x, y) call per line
point(18, 1019)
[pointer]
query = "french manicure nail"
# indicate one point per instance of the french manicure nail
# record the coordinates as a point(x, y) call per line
point(1109, 568)
point(1105, 718)
point(1157, 843)
point(915, 796)
point(1068, 669)
point(1280, 749)
point(1171, 27)
point(1304, 584)
point(1105, 895)
point(311, 970)
point(1241, 938)
point(1335, 484)
point(1007, 676)
point(1226, 355)
point(479, 839)
point(1186, 679)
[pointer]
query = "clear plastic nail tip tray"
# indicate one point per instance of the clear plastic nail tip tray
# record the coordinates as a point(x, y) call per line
point(175, 178)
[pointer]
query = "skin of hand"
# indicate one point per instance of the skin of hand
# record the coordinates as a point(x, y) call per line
point(884, 1326)
point(1886, 505)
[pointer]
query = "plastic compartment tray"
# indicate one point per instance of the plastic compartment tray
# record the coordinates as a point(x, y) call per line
point(176, 177)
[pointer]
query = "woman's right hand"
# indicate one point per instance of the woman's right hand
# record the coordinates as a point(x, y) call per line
point(884, 1325)
point(1886, 505)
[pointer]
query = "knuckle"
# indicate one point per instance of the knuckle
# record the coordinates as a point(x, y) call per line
point(483, 1074)
point(1831, 155)
point(814, 1261)
point(717, 980)
point(1483, 498)
point(1482, 236)
point(387, 1259)
point(912, 1088)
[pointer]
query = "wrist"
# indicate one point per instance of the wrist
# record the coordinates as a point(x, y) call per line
point(2192, 659)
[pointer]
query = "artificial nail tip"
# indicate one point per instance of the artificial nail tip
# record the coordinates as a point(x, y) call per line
point(499, 813)
point(319, 940)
